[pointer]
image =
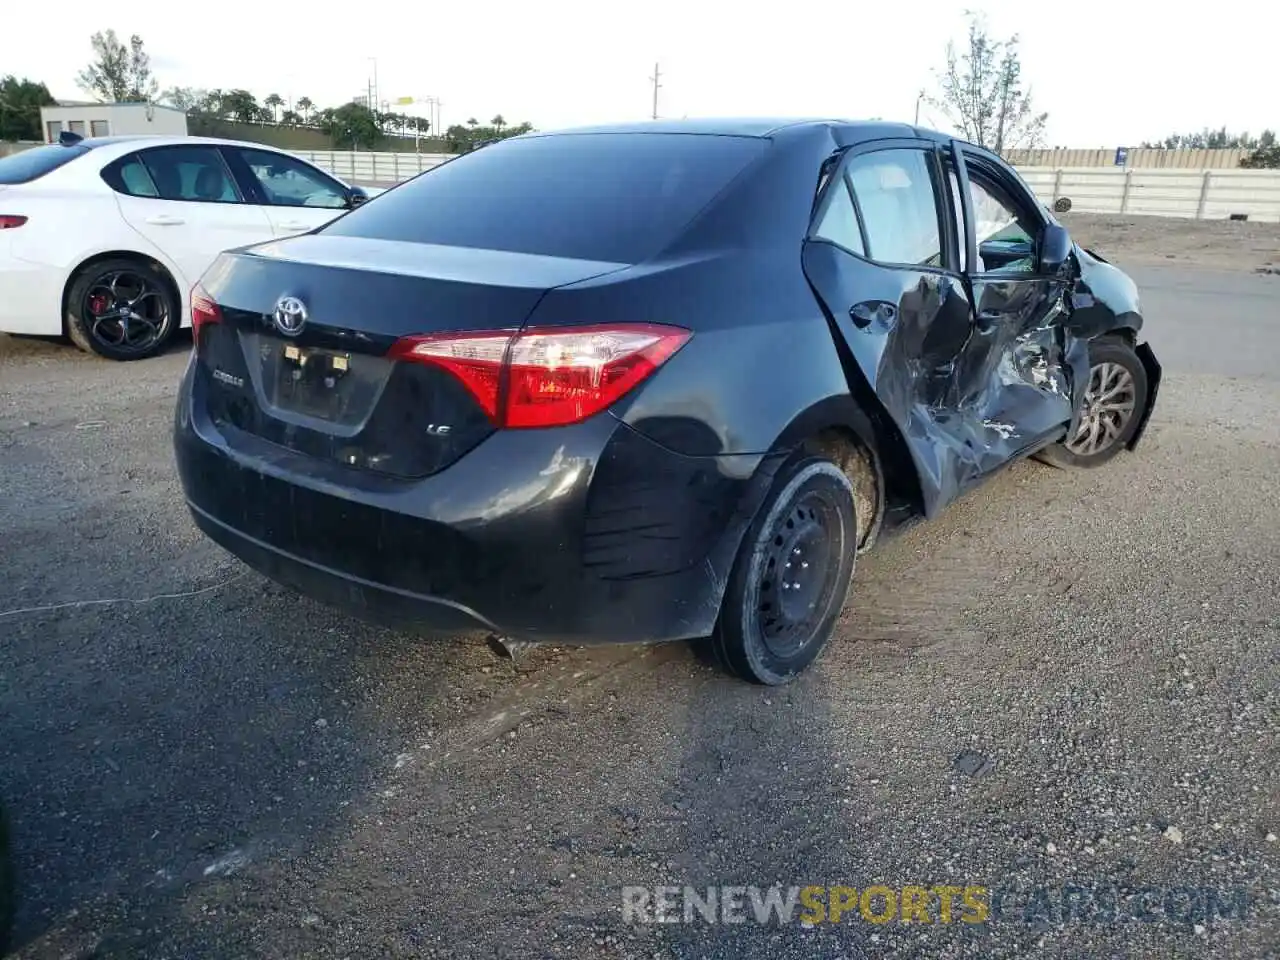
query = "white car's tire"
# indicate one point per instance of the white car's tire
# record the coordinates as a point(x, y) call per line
point(123, 308)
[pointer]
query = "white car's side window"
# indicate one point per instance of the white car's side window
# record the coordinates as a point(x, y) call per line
point(196, 174)
point(288, 182)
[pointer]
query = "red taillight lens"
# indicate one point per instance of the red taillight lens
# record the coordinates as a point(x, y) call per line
point(10, 221)
point(549, 376)
point(203, 311)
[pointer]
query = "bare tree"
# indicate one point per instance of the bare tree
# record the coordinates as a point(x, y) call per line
point(118, 73)
point(980, 91)
point(185, 99)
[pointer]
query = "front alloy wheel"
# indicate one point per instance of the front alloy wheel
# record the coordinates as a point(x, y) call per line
point(1114, 400)
point(1109, 405)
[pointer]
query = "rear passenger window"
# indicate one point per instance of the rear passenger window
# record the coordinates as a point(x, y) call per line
point(190, 173)
point(131, 177)
point(839, 222)
point(899, 211)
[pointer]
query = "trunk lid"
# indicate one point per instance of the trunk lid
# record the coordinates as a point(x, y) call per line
point(327, 389)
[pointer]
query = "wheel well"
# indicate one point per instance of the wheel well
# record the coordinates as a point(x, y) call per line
point(1126, 335)
point(120, 255)
point(861, 464)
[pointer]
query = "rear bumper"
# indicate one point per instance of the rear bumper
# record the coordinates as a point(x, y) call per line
point(586, 534)
point(30, 296)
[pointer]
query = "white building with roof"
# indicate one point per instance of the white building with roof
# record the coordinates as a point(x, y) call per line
point(89, 119)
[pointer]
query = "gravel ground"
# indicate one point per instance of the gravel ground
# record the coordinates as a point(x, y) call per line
point(1215, 244)
point(230, 770)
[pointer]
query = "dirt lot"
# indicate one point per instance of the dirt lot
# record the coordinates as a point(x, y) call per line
point(1216, 244)
point(200, 764)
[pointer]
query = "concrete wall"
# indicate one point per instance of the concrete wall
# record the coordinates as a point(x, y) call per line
point(1198, 194)
point(1195, 194)
point(113, 120)
point(1213, 194)
point(1136, 157)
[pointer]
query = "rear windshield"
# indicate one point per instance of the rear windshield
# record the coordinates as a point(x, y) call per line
point(619, 197)
point(27, 165)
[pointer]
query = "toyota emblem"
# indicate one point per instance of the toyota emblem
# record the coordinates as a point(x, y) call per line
point(290, 316)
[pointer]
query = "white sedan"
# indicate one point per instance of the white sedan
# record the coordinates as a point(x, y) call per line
point(103, 239)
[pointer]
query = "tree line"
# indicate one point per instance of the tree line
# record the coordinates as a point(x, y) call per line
point(121, 72)
point(350, 125)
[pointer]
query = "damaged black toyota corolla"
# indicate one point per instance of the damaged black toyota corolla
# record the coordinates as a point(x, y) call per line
point(647, 383)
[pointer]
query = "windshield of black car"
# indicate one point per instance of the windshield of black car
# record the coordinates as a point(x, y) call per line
point(27, 165)
point(617, 197)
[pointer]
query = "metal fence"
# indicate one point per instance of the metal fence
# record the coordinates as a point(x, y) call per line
point(1195, 194)
point(369, 168)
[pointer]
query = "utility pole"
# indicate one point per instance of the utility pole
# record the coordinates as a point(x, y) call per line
point(919, 97)
point(656, 78)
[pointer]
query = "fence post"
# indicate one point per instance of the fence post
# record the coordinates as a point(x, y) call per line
point(1124, 197)
point(1057, 186)
point(1204, 195)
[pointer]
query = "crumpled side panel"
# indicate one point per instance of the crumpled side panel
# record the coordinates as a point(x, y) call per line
point(970, 387)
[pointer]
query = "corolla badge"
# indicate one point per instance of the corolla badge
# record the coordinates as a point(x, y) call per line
point(290, 316)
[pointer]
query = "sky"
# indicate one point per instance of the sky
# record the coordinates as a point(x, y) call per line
point(1109, 73)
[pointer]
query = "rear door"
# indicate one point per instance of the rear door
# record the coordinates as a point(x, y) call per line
point(295, 196)
point(882, 256)
point(185, 201)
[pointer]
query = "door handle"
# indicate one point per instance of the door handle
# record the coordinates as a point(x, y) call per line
point(164, 220)
point(863, 313)
point(294, 225)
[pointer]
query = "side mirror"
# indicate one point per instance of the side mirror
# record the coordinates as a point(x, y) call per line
point(1054, 248)
point(355, 197)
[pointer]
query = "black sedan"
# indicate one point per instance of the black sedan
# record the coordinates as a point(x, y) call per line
point(648, 383)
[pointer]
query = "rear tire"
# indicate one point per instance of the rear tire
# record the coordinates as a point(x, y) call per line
point(791, 576)
point(1114, 401)
point(122, 309)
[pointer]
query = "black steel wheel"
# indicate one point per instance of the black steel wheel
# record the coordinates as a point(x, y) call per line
point(122, 309)
point(791, 576)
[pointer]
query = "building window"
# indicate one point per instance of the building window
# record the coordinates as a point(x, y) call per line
point(54, 129)
point(76, 127)
point(100, 128)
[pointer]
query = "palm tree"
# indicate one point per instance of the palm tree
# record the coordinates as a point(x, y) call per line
point(473, 122)
point(272, 101)
point(498, 123)
point(306, 106)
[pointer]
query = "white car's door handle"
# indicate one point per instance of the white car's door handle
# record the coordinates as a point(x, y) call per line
point(163, 220)
point(294, 225)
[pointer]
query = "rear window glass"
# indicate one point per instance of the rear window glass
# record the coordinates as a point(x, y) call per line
point(619, 197)
point(27, 165)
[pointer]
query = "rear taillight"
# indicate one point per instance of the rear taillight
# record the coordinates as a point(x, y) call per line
point(203, 312)
point(549, 376)
point(9, 221)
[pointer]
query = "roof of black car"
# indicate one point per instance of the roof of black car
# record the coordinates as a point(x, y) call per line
point(751, 127)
